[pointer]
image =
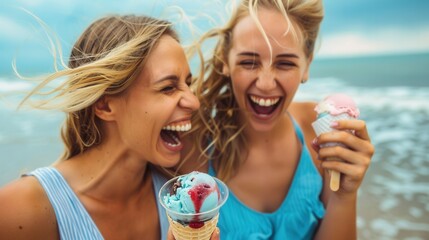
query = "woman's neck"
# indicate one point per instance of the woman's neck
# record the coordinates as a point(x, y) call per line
point(254, 137)
point(107, 172)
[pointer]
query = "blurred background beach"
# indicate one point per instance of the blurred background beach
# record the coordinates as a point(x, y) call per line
point(375, 51)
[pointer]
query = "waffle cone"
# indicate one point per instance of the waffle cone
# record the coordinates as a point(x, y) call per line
point(322, 125)
point(182, 232)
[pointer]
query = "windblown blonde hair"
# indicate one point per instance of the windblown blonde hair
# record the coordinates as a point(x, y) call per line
point(216, 125)
point(105, 60)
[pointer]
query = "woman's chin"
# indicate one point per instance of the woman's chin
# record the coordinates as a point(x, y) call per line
point(168, 155)
point(262, 122)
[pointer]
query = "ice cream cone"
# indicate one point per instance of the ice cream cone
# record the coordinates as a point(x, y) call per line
point(323, 125)
point(185, 232)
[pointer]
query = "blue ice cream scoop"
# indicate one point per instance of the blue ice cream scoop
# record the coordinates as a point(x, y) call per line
point(195, 192)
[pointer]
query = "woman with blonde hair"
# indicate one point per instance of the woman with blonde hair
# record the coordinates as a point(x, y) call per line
point(254, 137)
point(127, 81)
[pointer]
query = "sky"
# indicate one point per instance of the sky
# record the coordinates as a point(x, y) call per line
point(350, 27)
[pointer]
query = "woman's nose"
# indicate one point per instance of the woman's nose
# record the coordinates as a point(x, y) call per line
point(189, 100)
point(266, 81)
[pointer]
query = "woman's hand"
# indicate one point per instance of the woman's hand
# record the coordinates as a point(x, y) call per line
point(351, 160)
point(215, 234)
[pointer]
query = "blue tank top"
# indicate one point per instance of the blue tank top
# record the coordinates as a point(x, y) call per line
point(297, 217)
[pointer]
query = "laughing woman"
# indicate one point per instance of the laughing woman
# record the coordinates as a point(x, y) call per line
point(127, 80)
point(254, 136)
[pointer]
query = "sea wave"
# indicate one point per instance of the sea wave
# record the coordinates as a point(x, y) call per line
point(398, 98)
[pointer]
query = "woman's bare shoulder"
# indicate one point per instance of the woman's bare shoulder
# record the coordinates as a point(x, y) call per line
point(26, 211)
point(303, 112)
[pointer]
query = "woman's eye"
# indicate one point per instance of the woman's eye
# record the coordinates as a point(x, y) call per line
point(285, 65)
point(249, 64)
point(168, 89)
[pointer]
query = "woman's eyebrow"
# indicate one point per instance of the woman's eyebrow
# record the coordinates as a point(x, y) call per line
point(287, 55)
point(251, 54)
point(168, 78)
point(172, 77)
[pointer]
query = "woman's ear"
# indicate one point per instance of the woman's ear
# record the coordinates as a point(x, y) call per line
point(103, 109)
point(225, 70)
point(306, 74)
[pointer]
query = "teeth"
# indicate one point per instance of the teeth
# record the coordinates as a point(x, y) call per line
point(174, 144)
point(178, 128)
point(264, 102)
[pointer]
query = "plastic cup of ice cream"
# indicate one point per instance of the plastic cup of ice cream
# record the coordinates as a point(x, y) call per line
point(192, 203)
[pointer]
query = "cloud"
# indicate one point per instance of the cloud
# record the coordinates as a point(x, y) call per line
point(52, 4)
point(384, 41)
point(11, 30)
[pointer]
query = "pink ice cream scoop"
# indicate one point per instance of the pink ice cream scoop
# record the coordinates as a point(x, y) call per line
point(334, 108)
point(337, 104)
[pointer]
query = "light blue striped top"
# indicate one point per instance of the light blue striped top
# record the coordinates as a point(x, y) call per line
point(73, 220)
point(159, 180)
point(297, 217)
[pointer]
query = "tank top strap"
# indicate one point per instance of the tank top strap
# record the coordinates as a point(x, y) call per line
point(298, 130)
point(158, 181)
point(211, 170)
point(74, 222)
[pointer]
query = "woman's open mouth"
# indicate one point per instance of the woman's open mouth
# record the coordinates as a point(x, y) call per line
point(171, 137)
point(264, 107)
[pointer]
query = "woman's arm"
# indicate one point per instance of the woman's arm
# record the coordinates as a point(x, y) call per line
point(340, 218)
point(26, 212)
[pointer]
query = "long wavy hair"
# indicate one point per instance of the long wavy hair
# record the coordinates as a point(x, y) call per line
point(105, 60)
point(216, 126)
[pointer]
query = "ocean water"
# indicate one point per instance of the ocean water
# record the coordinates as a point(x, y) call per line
point(392, 93)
